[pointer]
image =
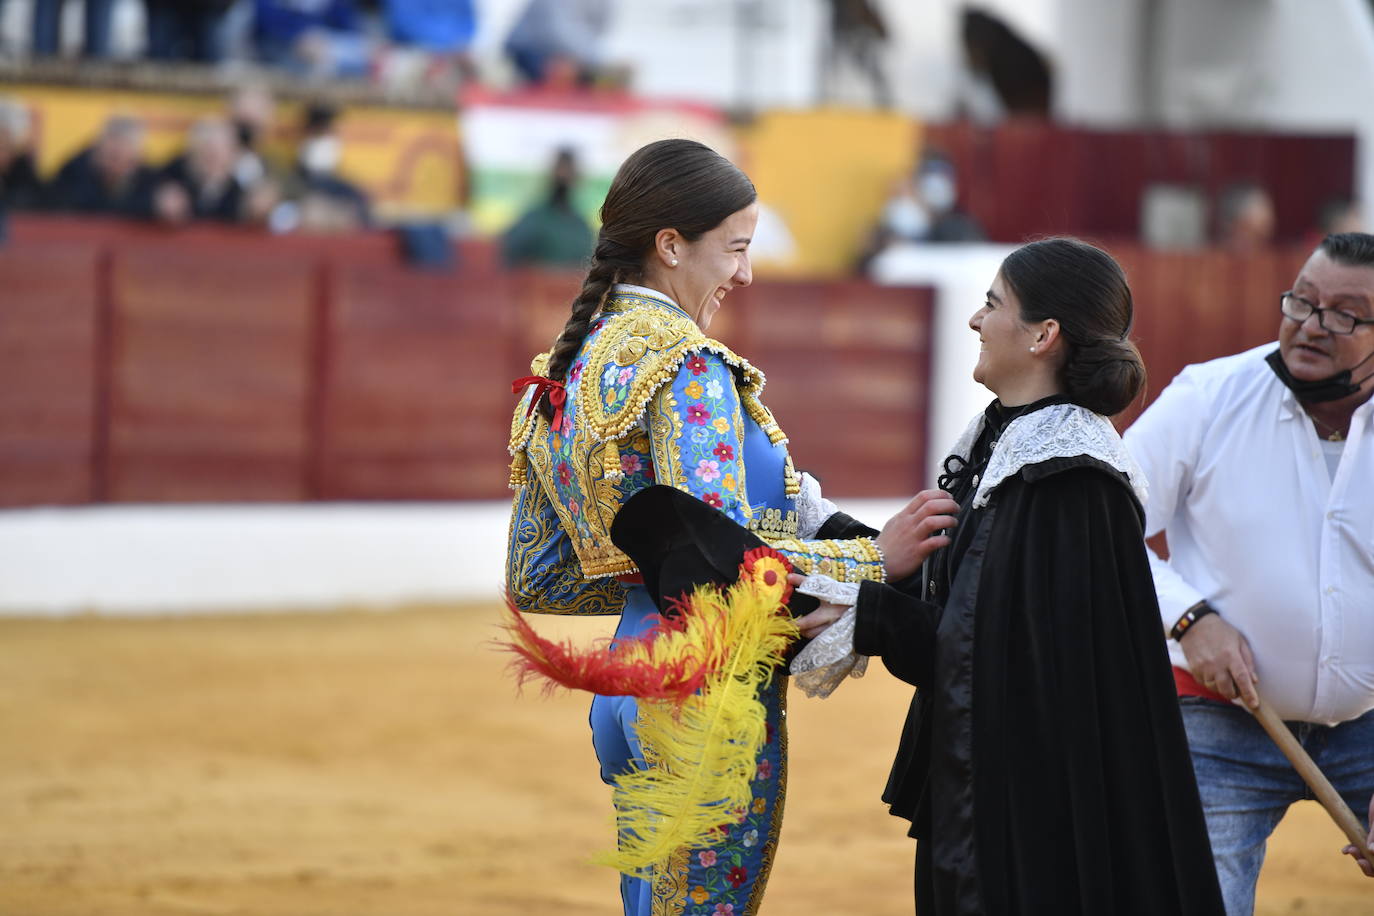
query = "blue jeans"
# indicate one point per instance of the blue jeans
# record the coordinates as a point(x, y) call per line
point(47, 27)
point(1247, 784)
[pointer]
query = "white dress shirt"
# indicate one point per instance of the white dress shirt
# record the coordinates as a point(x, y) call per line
point(1259, 527)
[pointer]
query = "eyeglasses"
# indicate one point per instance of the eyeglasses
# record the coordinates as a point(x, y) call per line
point(1334, 320)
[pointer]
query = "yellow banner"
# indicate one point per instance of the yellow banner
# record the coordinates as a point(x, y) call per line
point(825, 175)
point(407, 160)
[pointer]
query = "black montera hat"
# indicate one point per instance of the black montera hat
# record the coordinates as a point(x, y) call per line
point(679, 542)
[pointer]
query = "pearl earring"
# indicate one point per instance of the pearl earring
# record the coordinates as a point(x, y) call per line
point(1032, 349)
point(673, 262)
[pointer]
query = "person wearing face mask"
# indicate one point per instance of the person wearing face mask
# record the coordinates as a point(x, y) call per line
point(317, 199)
point(1043, 764)
point(634, 393)
point(938, 191)
point(922, 208)
point(1260, 467)
point(552, 232)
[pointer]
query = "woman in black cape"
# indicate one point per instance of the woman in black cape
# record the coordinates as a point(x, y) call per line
point(1043, 764)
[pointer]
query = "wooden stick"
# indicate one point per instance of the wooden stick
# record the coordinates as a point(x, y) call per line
point(1321, 787)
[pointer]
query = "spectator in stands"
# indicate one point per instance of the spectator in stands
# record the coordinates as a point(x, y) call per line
point(47, 27)
point(200, 183)
point(252, 113)
point(937, 188)
point(1341, 214)
point(20, 187)
point(441, 31)
point(923, 208)
point(560, 41)
point(1245, 217)
point(552, 232)
point(317, 199)
point(314, 38)
point(186, 29)
point(110, 176)
point(1336, 216)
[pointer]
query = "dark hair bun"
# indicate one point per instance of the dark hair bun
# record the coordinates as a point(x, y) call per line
point(1104, 375)
point(1085, 290)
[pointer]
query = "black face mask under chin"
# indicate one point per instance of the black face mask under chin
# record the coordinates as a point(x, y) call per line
point(1331, 388)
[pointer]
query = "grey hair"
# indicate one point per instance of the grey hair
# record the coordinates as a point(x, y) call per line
point(14, 119)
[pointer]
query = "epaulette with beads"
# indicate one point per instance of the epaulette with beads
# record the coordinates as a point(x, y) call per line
point(522, 425)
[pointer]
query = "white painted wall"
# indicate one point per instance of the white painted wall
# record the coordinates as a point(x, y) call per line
point(961, 276)
point(1299, 66)
point(151, 560)
point(1099, 62)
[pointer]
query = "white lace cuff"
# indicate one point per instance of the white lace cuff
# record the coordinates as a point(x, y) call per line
point(812, 508)
point(829, 658)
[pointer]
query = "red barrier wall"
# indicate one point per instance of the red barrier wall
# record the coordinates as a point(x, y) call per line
point(1022, 179)
point(214, 365)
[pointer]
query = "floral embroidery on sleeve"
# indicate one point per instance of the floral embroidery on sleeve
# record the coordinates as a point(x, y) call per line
point(697, 432)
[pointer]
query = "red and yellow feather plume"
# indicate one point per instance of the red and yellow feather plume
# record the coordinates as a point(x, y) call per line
point(701, 722)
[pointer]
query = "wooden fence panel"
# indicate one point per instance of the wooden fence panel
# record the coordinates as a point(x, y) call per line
point(150, 367)
point(848, 368)
point(1023, 179)
point(417, 399)
point(49, 326)
point(210, 375)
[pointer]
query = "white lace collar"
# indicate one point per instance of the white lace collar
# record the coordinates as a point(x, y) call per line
point(1056, 431)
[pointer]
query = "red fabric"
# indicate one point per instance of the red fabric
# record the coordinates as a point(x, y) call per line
point(1187, 686)
point(558, 395)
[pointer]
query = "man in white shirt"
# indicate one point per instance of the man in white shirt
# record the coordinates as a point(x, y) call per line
point(1261, 471)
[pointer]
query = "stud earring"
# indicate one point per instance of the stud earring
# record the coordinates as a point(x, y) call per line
point(1032, 349)
point(673, 262)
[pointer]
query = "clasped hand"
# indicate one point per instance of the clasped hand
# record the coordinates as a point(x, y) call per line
point(906, 540)
point(914, 533)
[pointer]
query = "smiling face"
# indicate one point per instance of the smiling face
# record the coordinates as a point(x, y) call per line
point(1310, 351)
point(1004, 359)
point(714, 264)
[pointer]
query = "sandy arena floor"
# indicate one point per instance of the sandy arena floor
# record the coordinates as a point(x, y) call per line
point(381, 763)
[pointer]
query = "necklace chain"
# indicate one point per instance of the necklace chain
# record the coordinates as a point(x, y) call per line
point(1334, 433)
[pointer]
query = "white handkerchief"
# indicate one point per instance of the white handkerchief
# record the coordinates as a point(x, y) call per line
point(829, 658)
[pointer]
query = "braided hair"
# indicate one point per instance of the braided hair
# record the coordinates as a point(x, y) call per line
point(668, 184)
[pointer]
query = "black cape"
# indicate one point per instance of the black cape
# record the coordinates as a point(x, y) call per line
point(1043, 764)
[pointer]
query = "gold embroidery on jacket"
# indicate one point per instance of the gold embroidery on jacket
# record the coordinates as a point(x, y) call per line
point(654, 338)
point(540, 587)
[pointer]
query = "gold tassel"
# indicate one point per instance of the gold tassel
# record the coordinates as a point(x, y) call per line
point(610, 461)
point(791, 481)
point(519, 470)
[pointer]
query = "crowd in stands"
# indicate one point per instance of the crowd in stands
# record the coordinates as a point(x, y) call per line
point(394, 43)
point(223, 175)
point(924, 207)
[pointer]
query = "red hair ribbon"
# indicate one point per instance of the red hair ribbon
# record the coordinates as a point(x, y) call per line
point(555, 390)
